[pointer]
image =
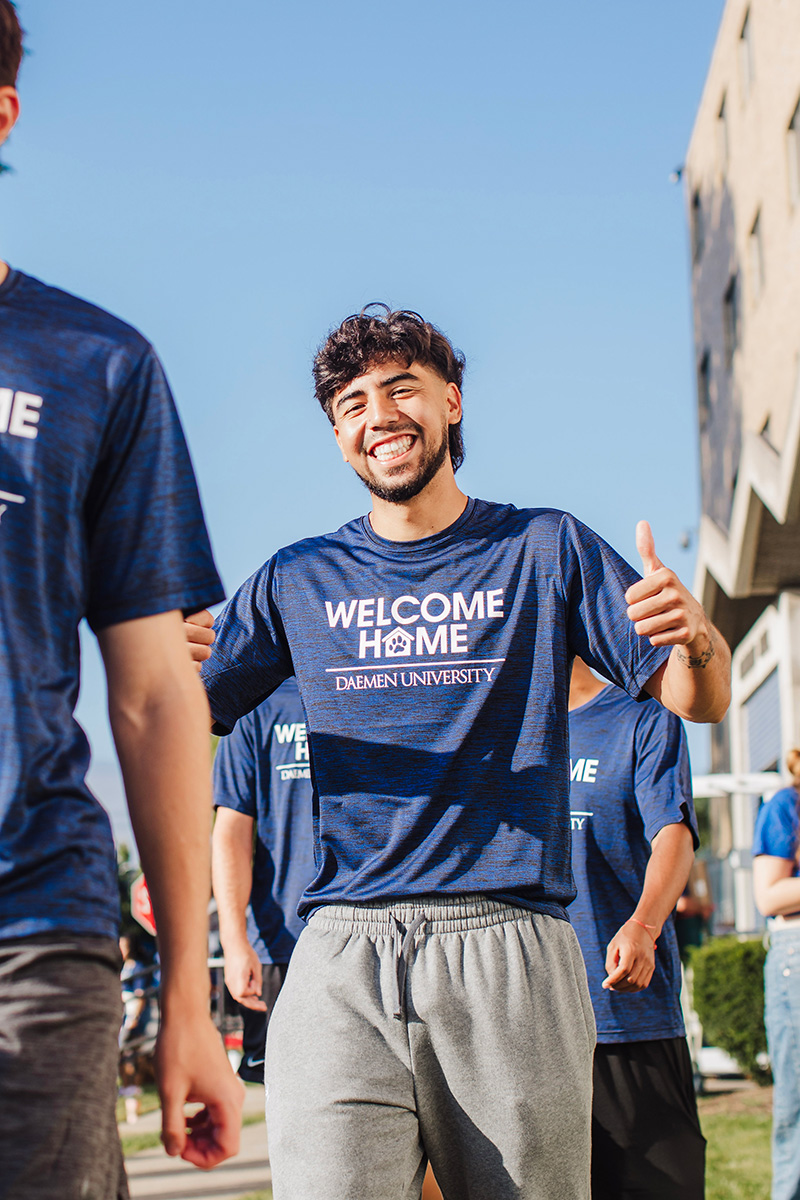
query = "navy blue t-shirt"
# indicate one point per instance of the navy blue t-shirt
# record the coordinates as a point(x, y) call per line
point(630, 777)
point(263, 771)
point(99, 518)
point(434, 675)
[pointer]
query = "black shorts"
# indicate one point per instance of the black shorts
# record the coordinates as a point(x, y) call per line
point(646, 1136)
point(254, 1034)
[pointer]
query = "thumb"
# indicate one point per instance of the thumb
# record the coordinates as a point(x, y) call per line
point(647, 548)
point(173, 1125)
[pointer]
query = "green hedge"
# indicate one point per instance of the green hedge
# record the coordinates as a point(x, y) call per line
point(728, 996)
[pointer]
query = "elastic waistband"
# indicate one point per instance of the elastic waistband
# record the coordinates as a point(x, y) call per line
point(442, 914)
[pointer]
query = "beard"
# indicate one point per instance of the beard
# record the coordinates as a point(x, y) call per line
point(407, 488)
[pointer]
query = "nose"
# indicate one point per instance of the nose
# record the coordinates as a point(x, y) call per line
point(382, 410)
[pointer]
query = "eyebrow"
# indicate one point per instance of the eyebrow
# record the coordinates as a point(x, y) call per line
point(390, 379)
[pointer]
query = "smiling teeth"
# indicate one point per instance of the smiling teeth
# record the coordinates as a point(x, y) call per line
point(393, 449)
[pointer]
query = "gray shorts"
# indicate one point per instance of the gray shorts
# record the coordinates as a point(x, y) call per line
point(60, 1012)
point(452, 1029)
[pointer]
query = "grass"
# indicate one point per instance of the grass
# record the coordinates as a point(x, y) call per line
point(737, 1128)
point(267, 1195)
point(132, 1143)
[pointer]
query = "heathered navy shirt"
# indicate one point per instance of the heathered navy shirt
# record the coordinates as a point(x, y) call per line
point(630, 777)
point(263, 771)
point(434, 675)
point(99, 518)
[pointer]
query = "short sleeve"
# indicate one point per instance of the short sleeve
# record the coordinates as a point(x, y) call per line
point(662, 774)
point(595, 579)
point(235, 771)
point(251, 656)
point(777, 827)
point(148, 547)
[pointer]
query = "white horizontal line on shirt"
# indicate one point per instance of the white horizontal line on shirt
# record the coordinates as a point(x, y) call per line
point(461, 662)
point(12, 498)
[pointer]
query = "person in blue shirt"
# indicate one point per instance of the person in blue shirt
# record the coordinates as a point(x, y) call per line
point(99, 519)
point(633, 837)
point(262, 860)
point(435, 1006)
point(262, 857)
point(776, 845)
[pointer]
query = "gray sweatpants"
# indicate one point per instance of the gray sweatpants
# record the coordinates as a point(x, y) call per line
point(455, 1029)
point(60, 1011)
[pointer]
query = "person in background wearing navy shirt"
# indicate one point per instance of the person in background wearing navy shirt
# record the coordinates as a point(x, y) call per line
point(634, 834)
point(776, 845)
point(262, 779)
point(435, 1006)
point(262, 782)
point(99, 518)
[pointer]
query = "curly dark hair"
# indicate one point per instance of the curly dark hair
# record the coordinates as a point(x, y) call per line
point(376, 335)
point(10, 44)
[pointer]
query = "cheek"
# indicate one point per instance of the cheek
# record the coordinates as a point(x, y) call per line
point(347, 441)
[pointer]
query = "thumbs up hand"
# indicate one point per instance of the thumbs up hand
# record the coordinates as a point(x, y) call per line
point(661, 608)
point(647, 549)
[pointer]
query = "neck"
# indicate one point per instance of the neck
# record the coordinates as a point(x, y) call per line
point(3, 272)
point(438, 505)
point(583, 685)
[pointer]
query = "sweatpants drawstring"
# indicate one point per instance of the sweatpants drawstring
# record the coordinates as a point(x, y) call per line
point(402, 946)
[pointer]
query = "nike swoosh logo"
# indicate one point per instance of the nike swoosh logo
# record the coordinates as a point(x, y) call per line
point(254, 1062)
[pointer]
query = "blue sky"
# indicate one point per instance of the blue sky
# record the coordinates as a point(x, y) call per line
point(234, 179)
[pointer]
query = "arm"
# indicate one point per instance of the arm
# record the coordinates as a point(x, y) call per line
point(159, 717)
point(695, 682)
point(630, 959)
point(232, 876)
point(776, 891)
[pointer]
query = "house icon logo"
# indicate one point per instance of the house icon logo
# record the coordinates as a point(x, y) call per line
point(397, 643)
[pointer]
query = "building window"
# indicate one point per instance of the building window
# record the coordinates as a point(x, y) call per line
point(746, 61)
point(731, 319)
point(793, 155)
point(698, 231)
point(704, 391)
point(755, 251)
point(722, 134)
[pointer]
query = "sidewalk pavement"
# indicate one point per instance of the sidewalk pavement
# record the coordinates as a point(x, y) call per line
point(152, 1174)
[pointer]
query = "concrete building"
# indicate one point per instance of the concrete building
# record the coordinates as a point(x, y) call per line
point(742, 177)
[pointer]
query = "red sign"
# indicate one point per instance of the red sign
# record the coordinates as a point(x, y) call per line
point(141, 905)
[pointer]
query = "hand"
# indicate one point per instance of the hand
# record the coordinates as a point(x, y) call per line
point(630, 959)
point(199, 635)
point(192, 1066)
point(243, 977)
point(662, 609)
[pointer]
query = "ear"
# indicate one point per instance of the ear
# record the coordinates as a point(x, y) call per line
point(9, 111)
point(453, 403)
point(339, 443)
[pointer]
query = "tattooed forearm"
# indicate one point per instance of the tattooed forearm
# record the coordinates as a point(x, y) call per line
point(699, 660)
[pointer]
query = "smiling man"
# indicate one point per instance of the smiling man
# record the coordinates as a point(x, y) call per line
point(436, 1004)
